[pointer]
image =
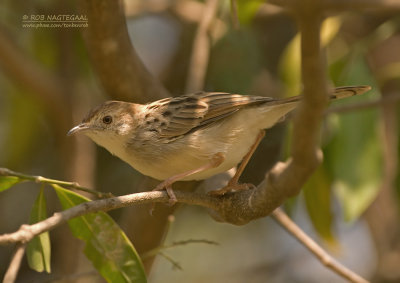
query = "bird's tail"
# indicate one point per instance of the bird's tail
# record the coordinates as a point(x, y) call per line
point(347, 91)
point(338, 93)
point(276, 110)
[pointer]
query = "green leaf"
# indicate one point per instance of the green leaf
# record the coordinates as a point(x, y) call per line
point(39, 250)
point(354, 154)
point(7, 182)
point(107, 246)
point(317, 194)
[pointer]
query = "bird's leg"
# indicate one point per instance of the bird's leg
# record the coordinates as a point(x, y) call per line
point(215, 161)
point(246, 159)
point(234, 181)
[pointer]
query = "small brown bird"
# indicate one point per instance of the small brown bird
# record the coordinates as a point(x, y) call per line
point(190, 137)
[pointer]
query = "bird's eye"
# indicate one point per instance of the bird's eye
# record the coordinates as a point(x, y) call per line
point(107, 119)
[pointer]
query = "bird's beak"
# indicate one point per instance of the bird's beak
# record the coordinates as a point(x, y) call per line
point(79, 128)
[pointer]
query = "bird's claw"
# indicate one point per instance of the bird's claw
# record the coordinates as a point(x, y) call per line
point(168, 188)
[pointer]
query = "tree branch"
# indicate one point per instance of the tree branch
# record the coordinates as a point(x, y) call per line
point(285, 222)
point(13, 268)
point(288, 178)
point(116, 62)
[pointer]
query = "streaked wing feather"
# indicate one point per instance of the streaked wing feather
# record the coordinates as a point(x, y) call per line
point(194, 111)
point(223, 103)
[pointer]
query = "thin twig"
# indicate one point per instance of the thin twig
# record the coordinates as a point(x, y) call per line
point(13, 268)
point(43, 180)
point(191, 241)
point(174, 263)
point(313, 247)
point(201, 49)
point(157, 250)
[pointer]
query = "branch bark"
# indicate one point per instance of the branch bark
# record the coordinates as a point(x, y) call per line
point(291, 227)
point(115, 61)
point(13, 268)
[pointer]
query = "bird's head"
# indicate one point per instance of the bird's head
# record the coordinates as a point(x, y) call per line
point(109, 124)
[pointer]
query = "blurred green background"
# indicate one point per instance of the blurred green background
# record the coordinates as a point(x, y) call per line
point(350, 205)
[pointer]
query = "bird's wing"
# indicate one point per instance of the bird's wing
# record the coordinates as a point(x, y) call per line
point(180, 115)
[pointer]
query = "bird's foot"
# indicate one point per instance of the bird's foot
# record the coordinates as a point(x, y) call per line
point(166, 185)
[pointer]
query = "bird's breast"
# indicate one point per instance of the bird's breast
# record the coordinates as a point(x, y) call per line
point(163, 160)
